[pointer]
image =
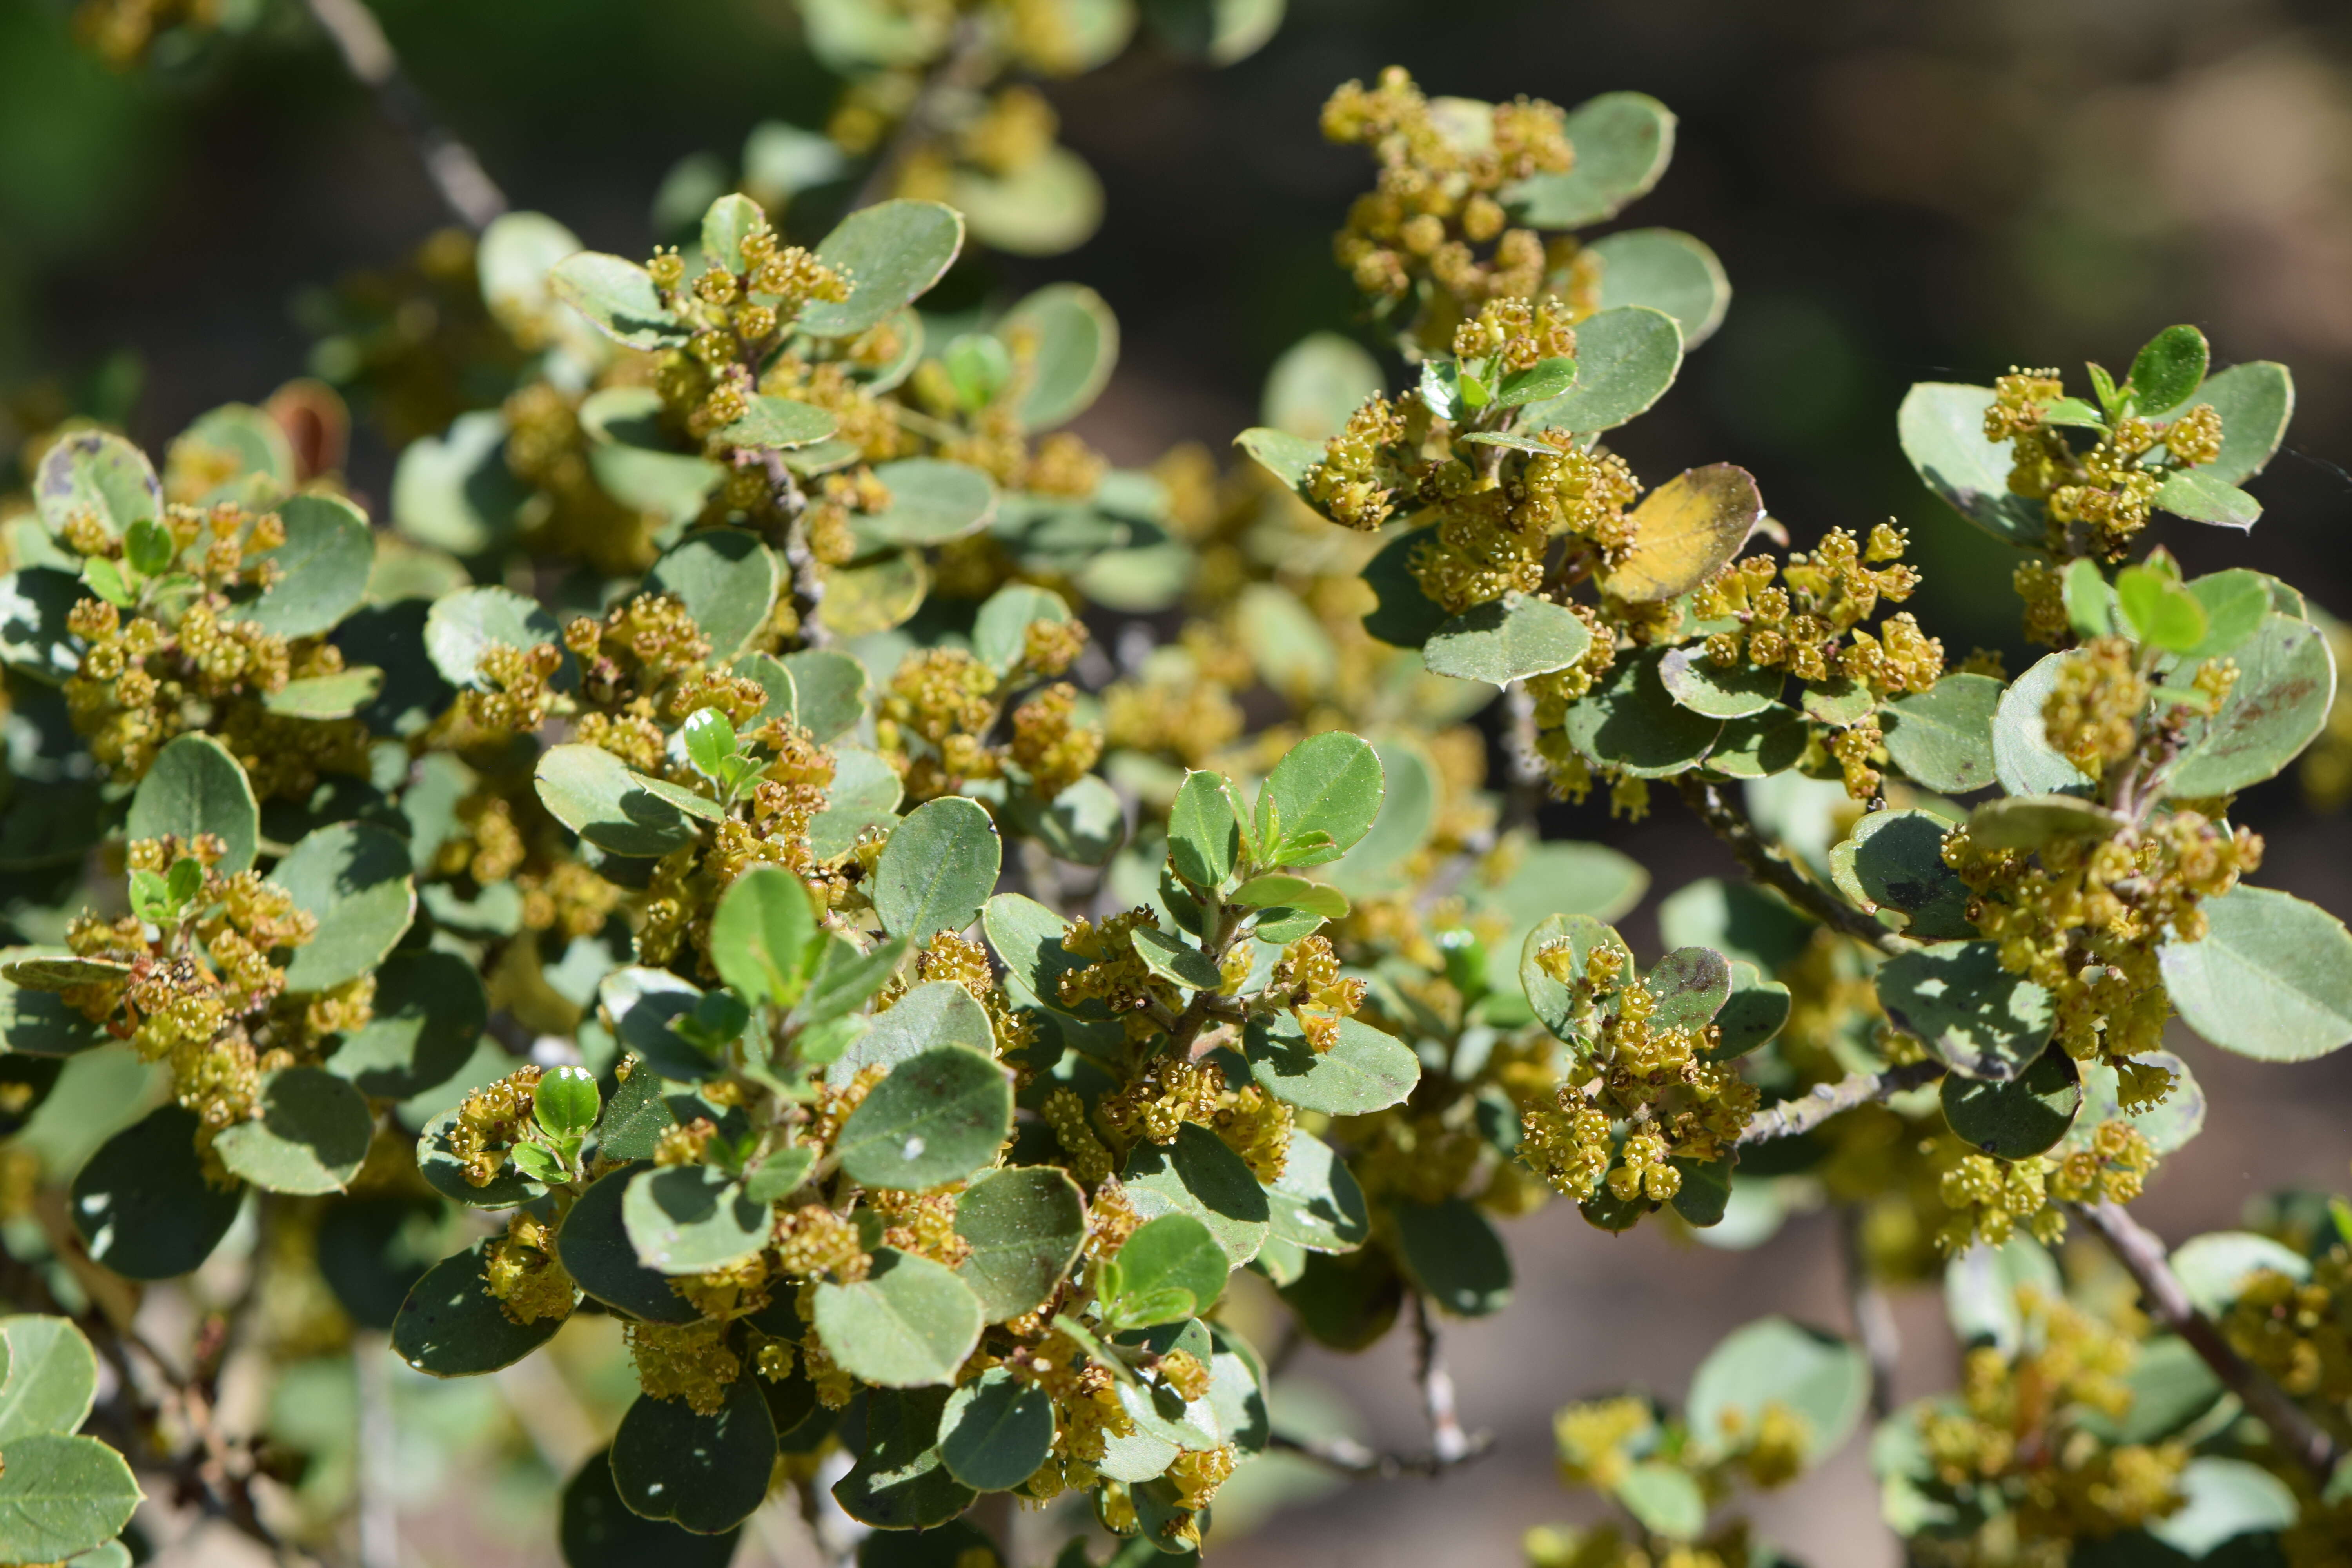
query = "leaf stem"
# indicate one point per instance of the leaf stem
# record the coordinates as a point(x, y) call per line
point(457, 176)
point(1768, 863)
point(2142, 1255)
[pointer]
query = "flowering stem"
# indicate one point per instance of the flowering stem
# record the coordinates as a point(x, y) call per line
point(2142, 1253)
point(457, 176)
point(1823, 1100)
point(1770, 864)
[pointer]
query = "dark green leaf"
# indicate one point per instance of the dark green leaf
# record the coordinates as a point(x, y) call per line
point(196, 786)
point(596, 1530)
point(996, 1431)
point(898, 1482)
point(1630, 721)
point(1455, 1256)
point(597, 1253)
point(451, 1326)
point(1204, 830)
point(938, 868)
point(1718, 692)
point(1943, 737)
point(1895, 861)
point(705, 1473)
point(2023, 1116)
point(144, 1204)
point(312, 1136)
point(1024, 1225)
point(1976, 1017)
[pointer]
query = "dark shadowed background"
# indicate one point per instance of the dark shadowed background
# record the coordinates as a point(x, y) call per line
point(1899, 193)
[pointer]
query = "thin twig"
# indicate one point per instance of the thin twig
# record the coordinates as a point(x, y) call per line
point(1350, 1457)
point(1874, 1318)
point(964, 69)
point(457, 176)
point(1823, 1100)
point(1766, 861)
point(1447, 1442)
point(2142, 1253)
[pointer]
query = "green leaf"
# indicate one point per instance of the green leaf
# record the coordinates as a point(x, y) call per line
point(2271, 978)
point(596, 1530)
point(1049, 204)
point(1718, 692)
point(673, 486)
point(1955, 998)
point(454, 492)
point(196, 786)
point(1942, 429)
point(2214, 1269)
point(1691, 985)
point(2022, 756)
point(36, 1021)
point(451, 1326)
point(618, 298)
point(937, 1118)
point(2170, 1387)
point(326, 558)
point(1286, 457)
point(1545, 378)
point(601, 798)
point(354, 876)
point(1895, 861)
point(692, 1220)
point(2198, 496)
point(763, 936)
point(1330, 784)
point(728, 581)
point(845, 978)
point(460, 628)
point(926, 1019)
point(780, 1175)
point(1024, 1225)
point(1625, 360)
point(1198, 1175)
point(1630, 721)
point(2167, 370)
point(52, 1377)
point(865, 793)
point(2160, 610)
point(1280, 890)
point(2090, 602)
point(1176, 960)
point(1624, 141)
point(105, 579)
point(1318, 382)
point(731, 218)
point(1365, 1071)
point(898, 1482)
point(566, 1101)
point(61, 1495)
point(2255, 400)
point(597, 1252)
point(932, 501)
point(2031, 821)
point(705, 1473)
point(1316, 1202)
point(938, 868)
point(1506, 639)
point(892, 253)
point(34, 637)
point(326, 696)
point(2227, 1499)
point(1550, 1000)
point(144, 1204)
point(1000, 633)
point(996, 1431)
point(1172, 1254)
point(1942, 738)
point(100, 474)
point(2236, 604)
point(1817, 1376)
point(1454, 1253)
point(831, 687)
point(430, 1009)
point(2278, 705)
point(1405, 616)
point(909, 1323)
point(1204, 830)
point(446, 1174)
point(2024, 1116)
point(1219, 31)
point(312, 1136)
point(1666, 1499)
point(645, 1004)
point(1074, 340)
point(1667, 270)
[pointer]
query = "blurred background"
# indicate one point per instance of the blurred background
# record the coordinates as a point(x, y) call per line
point(1899, 193)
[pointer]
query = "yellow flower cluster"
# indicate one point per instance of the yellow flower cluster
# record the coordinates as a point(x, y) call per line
point(1435, 203)
point(2084, 918)
point(2109, 489)
point(1989, 1198)
point(1306, 980)
point(688, 1362)
point(1114, 975)
point(2300, 1333)
point(943, 704)
point(521, 1270)
point(737, 319)
point(491, 1120)
point(2016, 1426)
point(1808, 624)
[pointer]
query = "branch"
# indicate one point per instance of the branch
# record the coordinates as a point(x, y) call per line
point(2142, 1253)
point(1449, 1444)
point(1770, 864)
point(963, 70)
point(1350, 1458)
point(457, 176)
point(1823, 1100)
